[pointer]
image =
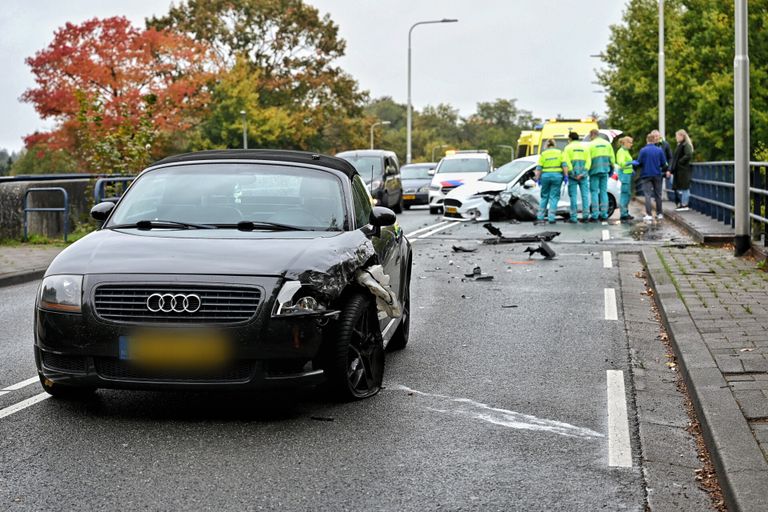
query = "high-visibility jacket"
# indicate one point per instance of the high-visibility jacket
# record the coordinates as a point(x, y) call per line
point(624, 161)
point(552, 160)
point(603, 157)
point(578, 156)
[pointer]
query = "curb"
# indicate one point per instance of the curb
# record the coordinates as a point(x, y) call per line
point(741, 467)
point(699, 236)
point(22, 276)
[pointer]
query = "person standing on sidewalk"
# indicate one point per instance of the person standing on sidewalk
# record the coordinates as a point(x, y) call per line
point(624, 163)
point(664, 145)
point(551, 170)
point(680, 167)
point(578, 156)
point(653, 164)
point(603, 160)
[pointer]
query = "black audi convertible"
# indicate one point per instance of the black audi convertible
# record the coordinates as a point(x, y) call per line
point(229, 269)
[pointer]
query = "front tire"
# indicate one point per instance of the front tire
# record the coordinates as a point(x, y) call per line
point(611, 205)
point(523, 210)
point(355, 366)
point(434, 210)
point(65, 392)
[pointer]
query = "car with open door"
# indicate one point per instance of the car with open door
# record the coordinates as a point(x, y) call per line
point(380, 170)
point(233, 269)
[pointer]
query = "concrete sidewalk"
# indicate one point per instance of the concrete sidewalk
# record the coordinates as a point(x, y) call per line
point(25, 262)
point(715, 308)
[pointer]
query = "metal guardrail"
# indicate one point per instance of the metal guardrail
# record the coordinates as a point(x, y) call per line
point(100, 187)
point(712, 193)
point(64, 209)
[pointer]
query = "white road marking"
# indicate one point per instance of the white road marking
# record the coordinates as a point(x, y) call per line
point(606, 235)
point(619, 447)
point(607, 259)
point(611, 311)
point(425, 228)
point(23, 404)
point(429, 233)
point(604, 223)
point(22, 384)
point(501, 417)
point(4, 393)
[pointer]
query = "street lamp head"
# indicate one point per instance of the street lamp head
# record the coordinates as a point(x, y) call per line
point(242, 112)
point(386, 122)
point(448, 20)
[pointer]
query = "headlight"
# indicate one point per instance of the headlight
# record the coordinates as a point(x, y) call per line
point(62, 293)
point(434, 187)
point(293, 300)
point(425, 188)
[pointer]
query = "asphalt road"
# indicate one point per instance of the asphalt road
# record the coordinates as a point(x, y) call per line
point(498, 403)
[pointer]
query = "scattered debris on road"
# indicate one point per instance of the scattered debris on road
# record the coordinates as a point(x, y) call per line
point(477, 275)
point(322, 418)
point(544, 249)
point(544, 236)
point(459, 248)
point(493, 230)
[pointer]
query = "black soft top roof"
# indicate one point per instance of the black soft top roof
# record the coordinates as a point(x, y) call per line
point(278, 155)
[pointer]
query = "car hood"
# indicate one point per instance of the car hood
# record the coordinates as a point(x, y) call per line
point(475, 187)
point(456, 179)
point(313, 257)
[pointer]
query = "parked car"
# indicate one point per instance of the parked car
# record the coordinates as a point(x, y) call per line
point(511, 192)
point(380, 171)
point(416, 179)
point(454, 170)
point(226, 270)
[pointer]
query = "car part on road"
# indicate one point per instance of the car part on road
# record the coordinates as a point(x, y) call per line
point(477, 275)
point(544, 236)
point(544, 249)
point(493, 230)
point(459, 248)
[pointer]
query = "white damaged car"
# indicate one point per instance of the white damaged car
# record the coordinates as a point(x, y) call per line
point(510, 192)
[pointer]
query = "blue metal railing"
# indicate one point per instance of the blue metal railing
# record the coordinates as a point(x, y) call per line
point(100, 187)
point(64, 209)
point(712, 193)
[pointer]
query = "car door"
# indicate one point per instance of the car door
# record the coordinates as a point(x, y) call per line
point(386, 243)
point(390, 183)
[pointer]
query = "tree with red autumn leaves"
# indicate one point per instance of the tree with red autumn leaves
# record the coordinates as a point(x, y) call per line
point(117, 93)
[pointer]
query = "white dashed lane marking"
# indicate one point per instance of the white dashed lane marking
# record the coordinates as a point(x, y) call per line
point(426, 228)
point(21, 384)
point(619, 447)
point(606, 235)
point(611, 311)
point(607, 259)
point(441, 228)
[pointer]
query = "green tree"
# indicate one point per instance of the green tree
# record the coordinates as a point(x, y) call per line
point(41, 159)
point(302, 97)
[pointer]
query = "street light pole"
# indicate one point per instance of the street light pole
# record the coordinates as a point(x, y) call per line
point(408, 128)
point(742, 240)
point(662, 68)
point(245, 130)
point(374, 125)
point(441, 146)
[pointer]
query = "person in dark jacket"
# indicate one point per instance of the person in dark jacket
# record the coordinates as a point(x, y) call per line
point(653, 164)
point(680, 167)
point(664, 145)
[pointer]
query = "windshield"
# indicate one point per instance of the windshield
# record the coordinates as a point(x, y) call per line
point(464, 165)
point(508, 172)
point(364, 164)
point(228, 193)
point(416, 171)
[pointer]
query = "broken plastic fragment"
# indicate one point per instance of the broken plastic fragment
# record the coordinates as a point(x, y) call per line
point(493, 229)
point(544, 249)
point(544, 236)
point(377, 282)
point(459, 248)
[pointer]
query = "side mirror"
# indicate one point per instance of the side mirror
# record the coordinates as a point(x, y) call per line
point(391, 171)
point(431, 172)
point(381, 217)
point(102, 210)
point(529, 184)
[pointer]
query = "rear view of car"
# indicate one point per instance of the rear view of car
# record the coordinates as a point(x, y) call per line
point(416, 179)
point(454, 170)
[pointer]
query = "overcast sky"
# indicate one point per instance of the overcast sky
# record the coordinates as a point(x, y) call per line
point(536, 52)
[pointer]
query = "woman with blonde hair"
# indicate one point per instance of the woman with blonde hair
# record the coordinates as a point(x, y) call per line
point(680, 168)
point(625, 169)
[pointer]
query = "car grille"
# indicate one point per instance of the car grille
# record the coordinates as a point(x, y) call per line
point(74, 364)
point(219, 304)
point(452, 202)
point(117, 369)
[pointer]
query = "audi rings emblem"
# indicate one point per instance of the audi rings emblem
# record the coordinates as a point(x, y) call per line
point(174, 303)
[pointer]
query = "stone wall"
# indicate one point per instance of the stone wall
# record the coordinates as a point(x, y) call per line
point(50, 224)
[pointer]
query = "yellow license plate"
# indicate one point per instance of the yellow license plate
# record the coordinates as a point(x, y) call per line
point(409, 197)
point(451, 209)
point(183, 348)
